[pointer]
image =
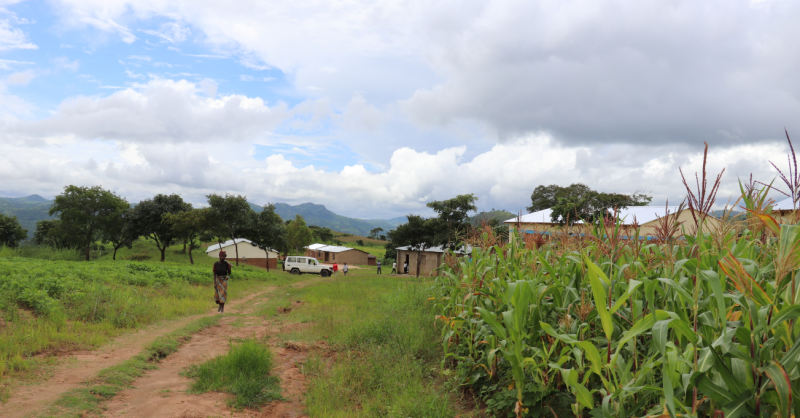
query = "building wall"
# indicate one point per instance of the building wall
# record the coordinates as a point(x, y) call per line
point(430, 262)
point(245, 250)
point(256, 262)
point(647, 229)
point(350, 257)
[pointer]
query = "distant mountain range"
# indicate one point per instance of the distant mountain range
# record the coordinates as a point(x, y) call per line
point(33, 208)
point(28, 210)
point(320, 216)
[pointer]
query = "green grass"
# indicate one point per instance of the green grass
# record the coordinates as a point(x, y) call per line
point(53, 306)
point(108, 382)
point(387, 358)
point(245, 372)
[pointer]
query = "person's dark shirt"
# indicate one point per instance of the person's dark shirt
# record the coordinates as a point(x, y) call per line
point(222, 268)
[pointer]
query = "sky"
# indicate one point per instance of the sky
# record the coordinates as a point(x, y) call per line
point(376, 108)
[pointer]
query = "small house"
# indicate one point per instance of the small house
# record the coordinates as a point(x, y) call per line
point(430, 259)
point(248, 254)
point(646, 217)
point(340, 255)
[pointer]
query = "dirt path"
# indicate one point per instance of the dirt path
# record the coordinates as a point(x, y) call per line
point(162, 392)
point(85, 365)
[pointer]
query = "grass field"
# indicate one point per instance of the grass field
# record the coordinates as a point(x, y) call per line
point(387, 361)
point(57, 306)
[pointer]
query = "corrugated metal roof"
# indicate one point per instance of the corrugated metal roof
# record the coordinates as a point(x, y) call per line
point(785, 204)
point(227, 243)
point(437, 249)
point(538, 217)
point(642, 215)
point(330, 248)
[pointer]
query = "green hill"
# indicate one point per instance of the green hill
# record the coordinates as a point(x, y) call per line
point(28, 210)
point(34, 208)
point(319, 215)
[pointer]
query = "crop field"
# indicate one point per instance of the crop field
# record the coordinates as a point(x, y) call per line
point(700, 324)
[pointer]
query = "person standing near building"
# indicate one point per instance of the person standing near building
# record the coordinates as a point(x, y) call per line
point(344, 269)
point(222, 271)
point(379, 267)
point(335, 268)
point(405, 267)
point(394, 268)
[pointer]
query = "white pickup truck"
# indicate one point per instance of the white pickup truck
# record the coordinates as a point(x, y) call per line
point(300, 265)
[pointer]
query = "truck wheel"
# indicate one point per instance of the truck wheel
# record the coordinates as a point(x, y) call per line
point(295, 271)
point(324, 273)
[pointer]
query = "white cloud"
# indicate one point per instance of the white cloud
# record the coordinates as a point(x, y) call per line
point(172, 32)
point(21, 78)
point(159, 111)
point(13, 38)
point(63, 63)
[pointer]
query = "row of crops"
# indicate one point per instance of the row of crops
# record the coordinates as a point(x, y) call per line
point(703, 324)
point(48, 307)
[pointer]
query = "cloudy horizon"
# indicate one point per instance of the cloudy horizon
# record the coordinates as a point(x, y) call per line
point(374, 109)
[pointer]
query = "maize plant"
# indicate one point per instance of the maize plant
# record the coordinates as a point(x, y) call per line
point(605, 326)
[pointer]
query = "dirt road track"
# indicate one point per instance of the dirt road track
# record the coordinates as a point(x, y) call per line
point(29, 399)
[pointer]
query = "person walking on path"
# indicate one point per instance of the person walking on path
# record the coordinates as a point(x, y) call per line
point(335, 268)
point(222, 271)
point(394, 268)
point(344, 269)
point(379, 268)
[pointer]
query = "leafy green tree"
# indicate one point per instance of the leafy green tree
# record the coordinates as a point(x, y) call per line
point(120, 233)
point(298, 235)
point(453, 216)
point(189, 226)
point(267, 231)
point(50, 233)
point(11, 232)
point(86, 211)
point(418, 233)
point(147, 219)
point(375, 232)
point(321, 234)
point(231, 214)
point(579, 201)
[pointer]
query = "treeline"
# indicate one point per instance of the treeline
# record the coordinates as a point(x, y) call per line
point(87, 215)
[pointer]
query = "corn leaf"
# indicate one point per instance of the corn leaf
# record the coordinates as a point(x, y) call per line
point(739, 407)
point(785, 314)
point(743, 281)
point(712, 390)
point(600, 302)
point(783, 386)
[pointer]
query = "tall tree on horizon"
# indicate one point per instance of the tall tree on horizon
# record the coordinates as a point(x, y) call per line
point(266, 230)
point(418, 233)
point(11, 231)
point(189, 226)
point(87, 211)
point(231, 213)
point(147, 219)
point(453, 216)
point(298, 235)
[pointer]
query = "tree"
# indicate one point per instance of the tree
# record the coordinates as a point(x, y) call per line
point(120, 233)
point(87, 211)
point(418, 233)
point(453, 217)
point(578, 201)
point(189, 226)
point(147, 219)
point(50, 233)
point(375, 232)
point(231, 213)
point(266, 230)
point(297, 234)
point(11, 232)
point(321, 234)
